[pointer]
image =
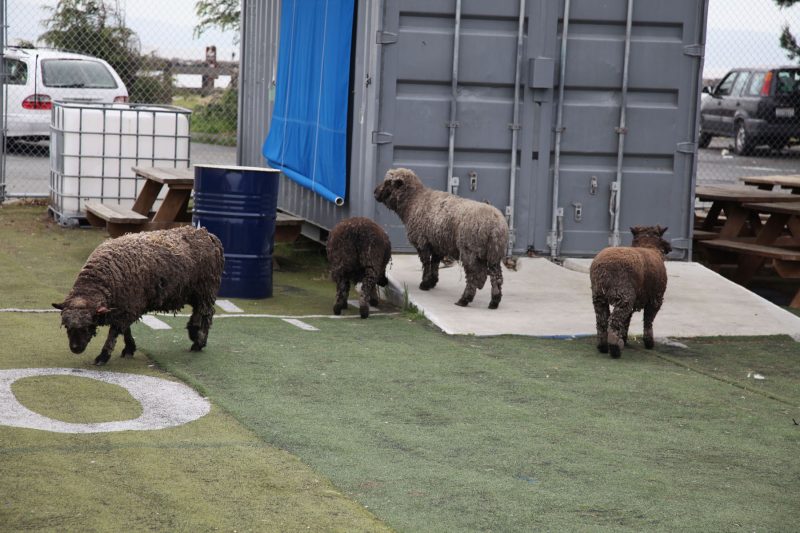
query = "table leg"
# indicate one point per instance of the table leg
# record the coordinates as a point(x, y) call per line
point(748, 265)
point(712, 217)
point(170, 209)
point(736, 217)
point(147, 197)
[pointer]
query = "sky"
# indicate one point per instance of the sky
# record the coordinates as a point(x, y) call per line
point(740, 32)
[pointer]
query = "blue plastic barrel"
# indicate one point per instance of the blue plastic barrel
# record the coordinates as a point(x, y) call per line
point(238, 205)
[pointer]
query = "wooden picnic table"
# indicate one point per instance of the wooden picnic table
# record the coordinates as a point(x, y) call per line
point(768, 183)
point(730, 200)
point(778, 240)
point(172, 212)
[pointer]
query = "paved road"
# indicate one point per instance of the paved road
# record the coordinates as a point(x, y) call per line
point(28, 165)
point(28, 169)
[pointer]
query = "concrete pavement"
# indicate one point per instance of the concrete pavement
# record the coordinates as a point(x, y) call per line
point(543, 299)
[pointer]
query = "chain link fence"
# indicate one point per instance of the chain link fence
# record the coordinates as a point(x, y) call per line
point(750, 110)
point(143, 52)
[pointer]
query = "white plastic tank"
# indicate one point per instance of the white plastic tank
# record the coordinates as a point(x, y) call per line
point(94, 147)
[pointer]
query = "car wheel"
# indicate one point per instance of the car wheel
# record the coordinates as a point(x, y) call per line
point(704, 140)
point(742, 145)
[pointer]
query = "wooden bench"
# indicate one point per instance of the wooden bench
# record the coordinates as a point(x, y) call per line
point(117, 219)
point(750, 248)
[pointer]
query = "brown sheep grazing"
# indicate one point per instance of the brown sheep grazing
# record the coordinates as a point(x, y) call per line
point(440, 224)
point(629, 279)
point(358, 251)
point(125, 278)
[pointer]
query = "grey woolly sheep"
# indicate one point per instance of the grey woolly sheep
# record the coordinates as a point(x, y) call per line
point(629, 279)
point(358, 251)
point(137, 273)
point(440, 224)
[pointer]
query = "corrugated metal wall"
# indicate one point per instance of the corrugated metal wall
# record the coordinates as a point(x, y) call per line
point(403, 98)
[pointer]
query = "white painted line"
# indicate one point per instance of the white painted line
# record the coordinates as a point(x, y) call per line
point(164, 403)
point(355, 304)
point(300, 324)
point(154, 323)
point(283, 317)
point(16, 310)
point(228, 306)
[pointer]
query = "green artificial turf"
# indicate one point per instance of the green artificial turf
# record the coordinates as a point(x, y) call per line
point(438, 433)
point(426, 431)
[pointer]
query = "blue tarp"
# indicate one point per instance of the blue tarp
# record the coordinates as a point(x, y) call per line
point(308, 134)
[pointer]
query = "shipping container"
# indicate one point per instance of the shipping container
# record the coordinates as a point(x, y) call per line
point(575, 118)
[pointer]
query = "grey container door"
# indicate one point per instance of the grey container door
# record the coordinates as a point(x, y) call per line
point(659, 151)
point(415, 96)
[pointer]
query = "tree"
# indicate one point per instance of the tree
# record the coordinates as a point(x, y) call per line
point(787, 40)
point(223, 14)
point(92, 27)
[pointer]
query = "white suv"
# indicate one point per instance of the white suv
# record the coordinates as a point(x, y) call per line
point(35, 78)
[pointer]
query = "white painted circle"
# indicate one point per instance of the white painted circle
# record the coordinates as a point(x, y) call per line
point(164, 403)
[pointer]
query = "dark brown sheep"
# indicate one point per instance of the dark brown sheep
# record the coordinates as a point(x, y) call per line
point(629, 279)
point(358, 251)
point(125, 278)
point(440, 224)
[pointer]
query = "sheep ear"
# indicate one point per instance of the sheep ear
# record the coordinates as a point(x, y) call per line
point(60, 306)
point(661, 231)
point(102, 310)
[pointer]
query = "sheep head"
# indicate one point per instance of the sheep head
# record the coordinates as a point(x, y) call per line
point(397, 187)
point(81, 319)
point(651, 237)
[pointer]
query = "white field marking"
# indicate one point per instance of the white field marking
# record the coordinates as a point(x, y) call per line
point(228, 306)
point(164, 403)
point(300, 324)
point(15, 310)
point(255, 315)
point(154, 323)
point(355, 304)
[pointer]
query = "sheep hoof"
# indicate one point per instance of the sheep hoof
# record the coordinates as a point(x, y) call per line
point(337, 310)
point(427, 285)
point(374, 302)
point(615, 350)
point(602, 348)
point(128, 353)
point(102, 359)
point(494, 304)
point(463, 302)
point(364, 311)
point(196, 347)
point(649, 343)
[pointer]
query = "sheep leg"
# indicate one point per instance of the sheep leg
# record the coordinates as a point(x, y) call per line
point(130, 344)
point(367, 290)
point(650, 312)
point(601, 313)
point(108, 347)
point(496, 278)
point(342, 290)
point(620, 316)
point(374, 300)
point(626, 326)
point(198, 326)
point(430, 268)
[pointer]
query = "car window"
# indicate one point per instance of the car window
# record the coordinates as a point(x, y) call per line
point(788, 82)
point(76, 73)
point(739, 84)
point(15, 71)
point(725, 86)
point(756, 83)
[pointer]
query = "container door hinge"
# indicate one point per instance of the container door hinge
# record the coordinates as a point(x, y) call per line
point(687, 148)
point(381, 137)
point(385, 37)
point(694, 50)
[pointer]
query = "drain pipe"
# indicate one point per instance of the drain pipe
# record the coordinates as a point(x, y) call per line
point(452, 181)
point(556, 231)
point(622, 130)
point(515, 134)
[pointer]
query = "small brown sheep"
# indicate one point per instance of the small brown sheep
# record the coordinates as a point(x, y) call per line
point(440, 224)
point(358, 251)
point(629, 279)
point(126, 277)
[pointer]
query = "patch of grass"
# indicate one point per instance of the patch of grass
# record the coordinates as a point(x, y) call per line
point(443, 433)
